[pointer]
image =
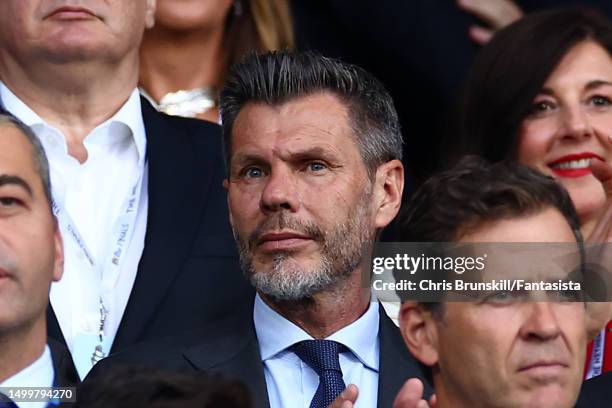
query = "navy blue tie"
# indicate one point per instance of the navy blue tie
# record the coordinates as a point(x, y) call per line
point(322, 357)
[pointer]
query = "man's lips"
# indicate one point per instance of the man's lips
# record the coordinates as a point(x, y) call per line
point(573, 165)
point(277, 241)
point(72, 13)
point(543, 368)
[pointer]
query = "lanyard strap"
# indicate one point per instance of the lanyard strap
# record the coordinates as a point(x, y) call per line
point(107, 268)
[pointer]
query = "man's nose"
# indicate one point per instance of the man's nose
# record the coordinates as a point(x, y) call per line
point(281, 192)
point(541, 323)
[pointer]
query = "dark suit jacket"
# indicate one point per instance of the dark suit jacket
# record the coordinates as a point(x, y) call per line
point(230, 347)
point(65, 372)
point(188, 273)
point(596, 392)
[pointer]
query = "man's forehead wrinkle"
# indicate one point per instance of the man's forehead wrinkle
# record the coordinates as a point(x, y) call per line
point(309, 129)
point(298, 142)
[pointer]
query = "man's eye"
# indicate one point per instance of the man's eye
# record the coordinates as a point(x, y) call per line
point(8, 201)
point(316, 166)
point(503, 297)
point(253, 172)
point(500, 296)
point(569, 296)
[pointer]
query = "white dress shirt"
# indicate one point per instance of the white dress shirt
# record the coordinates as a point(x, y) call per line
point(38, 374)
point(93, 194)
point(291, 382)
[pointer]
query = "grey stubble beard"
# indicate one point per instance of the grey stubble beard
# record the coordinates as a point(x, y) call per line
point(340, 255)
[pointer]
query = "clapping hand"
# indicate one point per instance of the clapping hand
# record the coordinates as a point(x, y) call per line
point(409, 396)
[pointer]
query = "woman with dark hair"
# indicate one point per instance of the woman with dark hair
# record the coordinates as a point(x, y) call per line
point(541, 93)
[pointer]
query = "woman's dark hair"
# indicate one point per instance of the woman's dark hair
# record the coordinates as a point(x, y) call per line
point(511, 70)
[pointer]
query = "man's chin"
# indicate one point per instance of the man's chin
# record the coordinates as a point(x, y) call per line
point(291, 284)
point(550, 397)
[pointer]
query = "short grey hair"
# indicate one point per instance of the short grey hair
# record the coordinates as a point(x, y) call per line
point(39, 157)
point(276, 77)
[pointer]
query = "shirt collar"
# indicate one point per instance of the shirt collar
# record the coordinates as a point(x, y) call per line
point(38, 374)
point(275, 333)
point(13, 104)
point(130, 115)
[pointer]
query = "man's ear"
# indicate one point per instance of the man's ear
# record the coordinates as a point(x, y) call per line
point(150, 13)
point(420, 332)
point(58, 242)
point(387, 192)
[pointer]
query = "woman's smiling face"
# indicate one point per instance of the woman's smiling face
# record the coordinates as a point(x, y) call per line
point(570, 124)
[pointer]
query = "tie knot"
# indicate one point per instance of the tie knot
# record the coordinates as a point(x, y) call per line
point(320, 355)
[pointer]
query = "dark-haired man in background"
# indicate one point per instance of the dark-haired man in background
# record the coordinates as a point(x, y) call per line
point(31, 257)
point(313, 148)
point(498, 350)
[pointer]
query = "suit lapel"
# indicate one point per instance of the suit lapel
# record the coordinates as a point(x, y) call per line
point(234, 352)
point(177, 186)
point(396, 363)
point(63, 366)
point(53, 328)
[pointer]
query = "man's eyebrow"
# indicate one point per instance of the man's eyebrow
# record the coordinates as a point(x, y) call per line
point(6, 179)
point(243, 158)
point(310, 153)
